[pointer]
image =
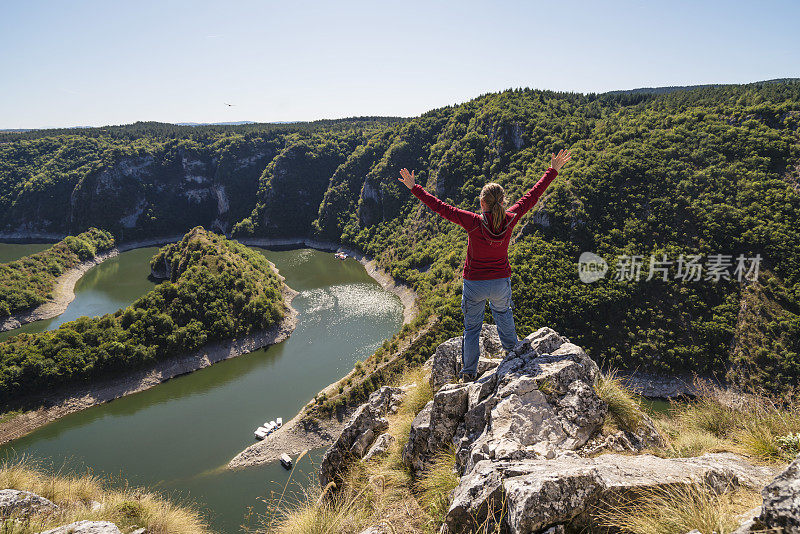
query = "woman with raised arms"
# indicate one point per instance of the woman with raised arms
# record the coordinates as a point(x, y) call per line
point(487, 272)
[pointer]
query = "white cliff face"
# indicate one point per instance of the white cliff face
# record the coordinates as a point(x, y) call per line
point(222, 199)
point(249, 161)
point(194, 190)
point(192, 164)
point(516, 136)
point(197, 196)
point(541, 218)
point(504, 137)
point(134, 166)
point(369, 203)
point(130, 220)
point(370, 192)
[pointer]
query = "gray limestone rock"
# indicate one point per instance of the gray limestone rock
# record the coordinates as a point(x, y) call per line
point(781, 505)
point(22, 503)
point(366, 423)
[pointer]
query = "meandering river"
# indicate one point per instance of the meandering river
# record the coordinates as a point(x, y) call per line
point(178, 436)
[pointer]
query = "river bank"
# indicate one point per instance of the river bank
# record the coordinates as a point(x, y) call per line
point(304, 431)
point(76, 398)
point(297, 435)
point(64, 289)
point(407, 296)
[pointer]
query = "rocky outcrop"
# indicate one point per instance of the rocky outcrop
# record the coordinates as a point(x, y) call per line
point(361, 431)
point(533, 494)
point(748, 522)
point(537, 402)
point(17, 503)
point(447, 358)
point(85, 527)
point(524, 435)
point(781, 506)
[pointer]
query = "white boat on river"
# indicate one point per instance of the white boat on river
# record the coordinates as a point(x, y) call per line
point(268, 428)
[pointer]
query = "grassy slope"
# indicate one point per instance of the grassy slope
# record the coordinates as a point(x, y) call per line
point(75, 495)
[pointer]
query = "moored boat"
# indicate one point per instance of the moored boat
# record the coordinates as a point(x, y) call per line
point(268, 428)
point(286, 461)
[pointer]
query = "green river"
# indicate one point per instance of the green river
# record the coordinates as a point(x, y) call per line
point(178, 436)
point(14, 251)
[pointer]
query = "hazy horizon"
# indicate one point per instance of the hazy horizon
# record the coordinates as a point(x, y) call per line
point(243, 122)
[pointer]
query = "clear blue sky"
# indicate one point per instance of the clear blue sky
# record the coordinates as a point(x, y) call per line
point(67, 63)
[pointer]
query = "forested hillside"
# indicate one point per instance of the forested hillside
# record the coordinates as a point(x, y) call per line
point(709, 171)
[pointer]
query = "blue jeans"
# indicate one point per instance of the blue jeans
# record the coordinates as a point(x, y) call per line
point(473, 303)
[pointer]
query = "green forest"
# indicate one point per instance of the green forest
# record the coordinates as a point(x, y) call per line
point(28, 282)
point(216, 289)
point(711, 171)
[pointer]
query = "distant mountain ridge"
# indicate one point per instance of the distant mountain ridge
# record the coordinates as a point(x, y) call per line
point(638, 90)
point(673, 88)
point(236, 123)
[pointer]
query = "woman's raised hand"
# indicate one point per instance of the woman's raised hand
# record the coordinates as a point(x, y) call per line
point(408, 178)
point(558, 161)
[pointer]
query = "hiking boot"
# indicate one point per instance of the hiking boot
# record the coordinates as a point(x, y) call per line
point(467, 377)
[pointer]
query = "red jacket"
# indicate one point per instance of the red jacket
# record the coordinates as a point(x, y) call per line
point(487, 252)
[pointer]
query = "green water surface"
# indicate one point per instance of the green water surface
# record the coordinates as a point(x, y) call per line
point(14, 251)
point(179, 435)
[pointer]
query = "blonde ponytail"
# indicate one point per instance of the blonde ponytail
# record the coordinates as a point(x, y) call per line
point(495, 199)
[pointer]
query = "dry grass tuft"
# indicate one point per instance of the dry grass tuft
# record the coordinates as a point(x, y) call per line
point(676, 509)
point(624, 406)
point(436, 484)
point(125, 507)
point(757, 426)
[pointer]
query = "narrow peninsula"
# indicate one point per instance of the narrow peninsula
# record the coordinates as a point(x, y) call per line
point(219, 299)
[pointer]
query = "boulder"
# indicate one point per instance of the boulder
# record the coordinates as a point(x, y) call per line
point(749, 522)
point(532, 404)
point(544, 340)
point(85, 527)
point(539, 494)
point(446, 362)
point(22, 503)
point(781, 500)
point(379, 448)
point(645, 435)
point(361, 430)
point(418, 439)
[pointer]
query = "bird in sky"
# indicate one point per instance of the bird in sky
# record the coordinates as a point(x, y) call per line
point(229, 105)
